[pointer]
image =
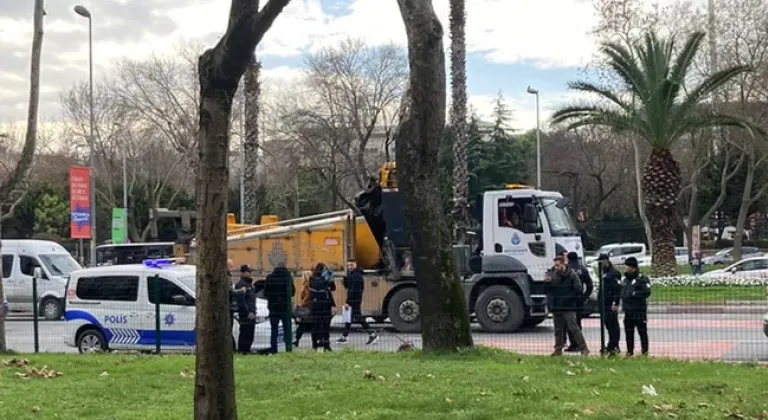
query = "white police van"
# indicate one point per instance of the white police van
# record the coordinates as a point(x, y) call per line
point(113, 308)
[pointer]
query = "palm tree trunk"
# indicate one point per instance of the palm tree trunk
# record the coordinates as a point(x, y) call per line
point(252, 90)
point(459, 118)
point(661, 186)
point(640, 200)
point(445, 322)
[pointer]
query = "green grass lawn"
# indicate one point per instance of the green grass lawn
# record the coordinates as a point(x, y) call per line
point(483, 384)
point(706, 295)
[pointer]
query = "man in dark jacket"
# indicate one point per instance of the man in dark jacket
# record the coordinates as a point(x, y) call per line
point(567, 298)
point(610, 297)
point(355, 285)
point(276, 291)
point(635, 290)
point(587, 287)
point(246, 309)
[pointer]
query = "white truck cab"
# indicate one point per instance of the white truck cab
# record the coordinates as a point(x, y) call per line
point(530, 225)
point(20, 258)
point(114, 308)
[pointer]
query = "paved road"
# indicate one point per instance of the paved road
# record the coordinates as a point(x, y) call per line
point(731, 337)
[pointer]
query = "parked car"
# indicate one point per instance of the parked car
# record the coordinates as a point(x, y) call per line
point(618, 253)
point(113, 308)
point(20, 258)
point(725, 255)
point(681, 255)
point(765, 325)
point(748, 268)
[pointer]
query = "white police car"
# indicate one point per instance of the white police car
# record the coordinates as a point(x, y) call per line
point(113, 308)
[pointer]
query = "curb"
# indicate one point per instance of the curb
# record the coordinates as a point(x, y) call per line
point(729, 308)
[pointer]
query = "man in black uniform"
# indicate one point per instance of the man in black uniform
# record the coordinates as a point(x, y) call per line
point(355, 285)
point(587, 288)
point(610, 297)
point(276, 291)
point(635, 290)
point(246, 309)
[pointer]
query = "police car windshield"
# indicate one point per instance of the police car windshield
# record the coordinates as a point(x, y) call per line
point(60, 264)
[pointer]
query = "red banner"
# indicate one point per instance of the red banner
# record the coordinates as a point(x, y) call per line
point(80, 202)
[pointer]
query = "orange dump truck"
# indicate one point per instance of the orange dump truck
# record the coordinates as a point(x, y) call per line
point(300, 244)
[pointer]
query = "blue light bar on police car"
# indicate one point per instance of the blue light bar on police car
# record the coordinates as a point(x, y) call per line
point(157, 263)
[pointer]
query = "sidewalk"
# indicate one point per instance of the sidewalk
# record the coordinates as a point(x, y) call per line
point(732, 307)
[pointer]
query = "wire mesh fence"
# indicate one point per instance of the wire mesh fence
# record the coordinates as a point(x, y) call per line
point(688, 317)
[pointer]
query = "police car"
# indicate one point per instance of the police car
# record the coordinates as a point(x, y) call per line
point(114, 308)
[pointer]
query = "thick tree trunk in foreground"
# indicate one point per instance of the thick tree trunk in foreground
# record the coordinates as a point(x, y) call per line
point(220, 70)
point(252, 90)
point(459, 118)
point(445, 321)
point(19, 173)
point(661, 187)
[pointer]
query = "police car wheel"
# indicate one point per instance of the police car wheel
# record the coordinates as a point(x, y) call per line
point(91, 341)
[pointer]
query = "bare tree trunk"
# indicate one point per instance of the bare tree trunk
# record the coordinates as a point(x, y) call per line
point(220, 70)
point(3, 343)
point(252, 88)
point(19, 173)
point(459, 119)
point(746, 202)
point(640, 199)
point(445, 321)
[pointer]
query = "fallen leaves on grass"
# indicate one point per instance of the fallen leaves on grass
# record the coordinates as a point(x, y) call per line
point(44, 373)
point(19, 363)
point(187, 373)
point(588, 412)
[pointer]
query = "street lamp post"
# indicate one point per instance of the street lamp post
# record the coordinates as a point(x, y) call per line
point(125, 183)
point(533, 91)
point(82, 11)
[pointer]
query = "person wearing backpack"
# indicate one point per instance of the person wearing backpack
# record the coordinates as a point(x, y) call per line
point(321, 303)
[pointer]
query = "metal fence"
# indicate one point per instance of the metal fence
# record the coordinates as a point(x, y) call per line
point(688, 318)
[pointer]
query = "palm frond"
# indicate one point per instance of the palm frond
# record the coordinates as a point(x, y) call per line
point(711, 84)
point(621, 61)
point(603, 92)
point(589, 115)
point(704, 120)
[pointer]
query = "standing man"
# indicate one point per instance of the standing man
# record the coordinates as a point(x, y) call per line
point(566, 292)
point(276, 288)
point(610, 297)
point(587, 286)
point(246, 309)
point(635, 290)
point(355, 284)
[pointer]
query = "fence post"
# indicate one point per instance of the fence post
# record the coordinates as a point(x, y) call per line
point(35, 313)
point(156, 291)
point(288, 319)
point(601, 305)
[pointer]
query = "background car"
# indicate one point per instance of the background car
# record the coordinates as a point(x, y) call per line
point(725, 255)
point(747, 268)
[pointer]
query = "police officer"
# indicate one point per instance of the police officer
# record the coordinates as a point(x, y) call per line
point(587, 288)
point(610, 297)
point(635, 290)
point(246, 309)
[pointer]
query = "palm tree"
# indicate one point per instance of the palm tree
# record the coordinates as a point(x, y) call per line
point(252, 92)
point(653, 104)
point(458, 116)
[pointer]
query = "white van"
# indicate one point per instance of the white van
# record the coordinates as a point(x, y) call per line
point(20, 258)
point(618, 253)
point(113, 308)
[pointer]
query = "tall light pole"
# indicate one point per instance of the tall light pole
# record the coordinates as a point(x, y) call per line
point(125, 184)
point(533, 91)
point(82, 11)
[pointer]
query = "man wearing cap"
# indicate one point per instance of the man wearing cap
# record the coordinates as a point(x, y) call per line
point(587, 288)
point(566, 299)
point(610, 297)
point(635, 290)
point(246, 308)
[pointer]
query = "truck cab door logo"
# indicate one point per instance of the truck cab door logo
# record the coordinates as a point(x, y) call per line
point(515, 239)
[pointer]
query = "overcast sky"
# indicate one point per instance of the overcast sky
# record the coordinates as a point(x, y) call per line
point(511, 43)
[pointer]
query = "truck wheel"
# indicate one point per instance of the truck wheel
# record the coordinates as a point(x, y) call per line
point(51, 309)
point(403, 310)
point(533, 321)
point(500, 309)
